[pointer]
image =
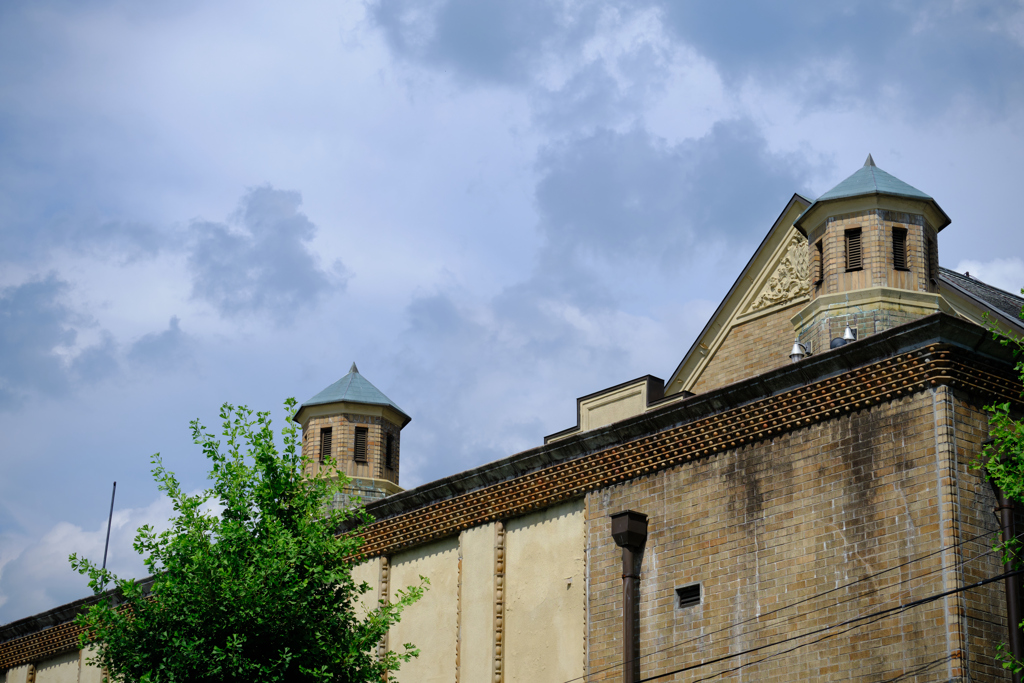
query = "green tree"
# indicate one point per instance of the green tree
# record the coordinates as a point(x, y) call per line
point(252, 582)
point(1002, 461)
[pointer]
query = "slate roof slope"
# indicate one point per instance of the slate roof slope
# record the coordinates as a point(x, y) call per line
point(354, 388)
point(1002, 301)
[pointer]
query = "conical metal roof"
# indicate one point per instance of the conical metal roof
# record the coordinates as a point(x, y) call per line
point(869, 179)
point(354, 388)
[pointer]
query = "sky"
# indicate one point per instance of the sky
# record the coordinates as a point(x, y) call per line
point(492, 207)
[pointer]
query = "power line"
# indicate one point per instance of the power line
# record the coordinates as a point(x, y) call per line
point(807, 599)
point(856, 622)
point(941, 568)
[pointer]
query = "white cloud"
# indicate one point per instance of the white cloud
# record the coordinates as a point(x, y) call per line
point(37, 576)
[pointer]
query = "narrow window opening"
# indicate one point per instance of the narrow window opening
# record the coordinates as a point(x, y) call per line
point(899, 248)
point(929, 259)
point(389, 452)
point(854, 255)
point(326, 438)
point(819, 262)
point(688, 596)
point(360, 445)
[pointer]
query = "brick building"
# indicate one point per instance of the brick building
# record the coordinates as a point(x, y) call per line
point(811, 512)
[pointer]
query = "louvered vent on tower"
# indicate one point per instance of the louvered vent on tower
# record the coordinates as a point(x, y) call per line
point(854, 253)
point(360, 445)
point(899, 248)
point(326, 438)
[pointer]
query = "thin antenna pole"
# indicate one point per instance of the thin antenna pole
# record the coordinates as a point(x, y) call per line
point(109, 520)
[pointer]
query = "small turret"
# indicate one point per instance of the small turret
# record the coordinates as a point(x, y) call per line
point(355, 428)
point(874, 257)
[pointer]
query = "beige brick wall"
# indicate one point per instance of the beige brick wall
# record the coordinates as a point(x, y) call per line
point(750, 349)
point(983, 608)
point(343, 431)
point(785, 520)
point(878, 268)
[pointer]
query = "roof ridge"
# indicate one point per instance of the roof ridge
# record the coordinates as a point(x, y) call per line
point(974, 280)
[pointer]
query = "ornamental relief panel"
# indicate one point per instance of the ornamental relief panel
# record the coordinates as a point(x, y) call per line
point(790, 280)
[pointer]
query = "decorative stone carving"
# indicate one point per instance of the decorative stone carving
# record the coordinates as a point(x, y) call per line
point(790, 280)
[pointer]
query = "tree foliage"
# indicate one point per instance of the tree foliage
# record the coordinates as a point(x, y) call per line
point(1002, 461)
point(251, 580)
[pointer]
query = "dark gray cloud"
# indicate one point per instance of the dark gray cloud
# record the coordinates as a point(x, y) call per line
point(262, 264)
point(478, 380)
point(609, 204)
point(483, 40)
point(33, 324)
point(595, 96)
point(39, 353)
point(96, 362)
point(165, 350)
point(616, 195)
point(37, 333)
point(911, 56)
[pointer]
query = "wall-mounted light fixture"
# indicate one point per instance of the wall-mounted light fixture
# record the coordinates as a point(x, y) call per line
point(849, 334)
point(799, 352)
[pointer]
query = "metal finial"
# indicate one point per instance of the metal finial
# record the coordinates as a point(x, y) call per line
point(353, 368)
point(869, 161)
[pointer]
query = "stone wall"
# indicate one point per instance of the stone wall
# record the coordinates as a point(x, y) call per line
point(778, 522)
point(750, 349)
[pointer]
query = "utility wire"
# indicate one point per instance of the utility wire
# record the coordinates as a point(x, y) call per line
point(855, 597)
point(856, 622)
point(804, 600)
point(884, 614)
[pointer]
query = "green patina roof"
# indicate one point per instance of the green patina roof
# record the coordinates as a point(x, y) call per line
point(353, 388)
point(870, 179)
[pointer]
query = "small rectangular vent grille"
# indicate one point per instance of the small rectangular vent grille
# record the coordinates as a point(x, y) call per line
point(854, 254)
point(899, 248)
point(389, 450)
point(326, 437)
point(688, 596)
point(360, 450)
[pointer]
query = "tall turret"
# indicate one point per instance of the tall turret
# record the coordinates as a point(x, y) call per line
point(357, 429)
point(874, 256)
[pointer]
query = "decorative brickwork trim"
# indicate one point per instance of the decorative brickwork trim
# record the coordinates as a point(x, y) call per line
point(458, 619)
point(879, 382)
point(39, 646)
point(385, 594)
point(499, 602)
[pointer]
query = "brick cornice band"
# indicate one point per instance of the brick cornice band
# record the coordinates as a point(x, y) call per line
point(879, 382)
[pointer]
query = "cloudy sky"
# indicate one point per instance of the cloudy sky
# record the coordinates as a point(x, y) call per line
point(493, 207)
